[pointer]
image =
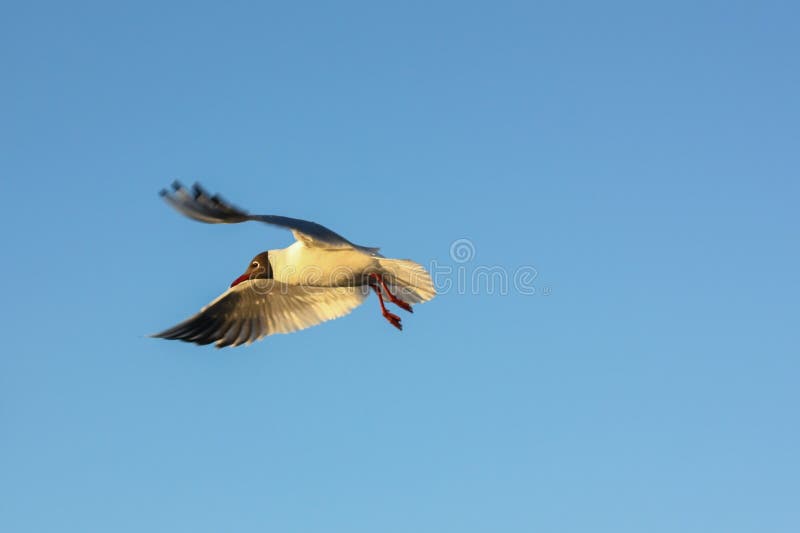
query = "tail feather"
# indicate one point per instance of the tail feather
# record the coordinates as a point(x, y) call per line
point(408, 280)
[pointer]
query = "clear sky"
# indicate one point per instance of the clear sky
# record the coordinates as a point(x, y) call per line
point(640, 158)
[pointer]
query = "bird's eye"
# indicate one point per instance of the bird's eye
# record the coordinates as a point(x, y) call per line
point(254, 264)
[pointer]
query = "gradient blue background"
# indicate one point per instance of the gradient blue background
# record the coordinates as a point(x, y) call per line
point(643, 158)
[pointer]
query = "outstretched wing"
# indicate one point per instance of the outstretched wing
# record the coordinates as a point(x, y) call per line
point(199, 205)
point(256, 308)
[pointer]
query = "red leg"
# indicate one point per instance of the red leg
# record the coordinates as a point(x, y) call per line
point(392, 298)
point(391, 317)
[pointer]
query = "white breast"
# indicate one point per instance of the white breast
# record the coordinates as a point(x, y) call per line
point(302, 265)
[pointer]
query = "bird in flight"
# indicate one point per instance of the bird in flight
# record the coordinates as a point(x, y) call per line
point(321, 276)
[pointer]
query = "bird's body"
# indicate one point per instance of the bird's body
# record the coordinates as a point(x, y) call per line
point(300, 264)
point(320, 277)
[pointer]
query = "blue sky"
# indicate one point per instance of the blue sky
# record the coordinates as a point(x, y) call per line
point(642, 157)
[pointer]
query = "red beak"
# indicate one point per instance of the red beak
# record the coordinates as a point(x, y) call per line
point(243, 277)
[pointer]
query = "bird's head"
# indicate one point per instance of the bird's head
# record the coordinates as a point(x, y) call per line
point(259, 268)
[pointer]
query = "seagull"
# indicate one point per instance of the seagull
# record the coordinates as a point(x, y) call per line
point(319, 277)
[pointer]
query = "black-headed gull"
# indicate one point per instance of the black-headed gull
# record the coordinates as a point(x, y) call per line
point(319, 277)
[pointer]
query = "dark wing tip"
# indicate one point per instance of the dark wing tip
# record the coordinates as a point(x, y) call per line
point(166, 334)
point(198, 190)
point(199, 205)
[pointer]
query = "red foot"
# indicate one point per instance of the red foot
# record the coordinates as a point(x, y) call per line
point(392, 298)
point(391, 317)
point(399, 303)
point(393, 320)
